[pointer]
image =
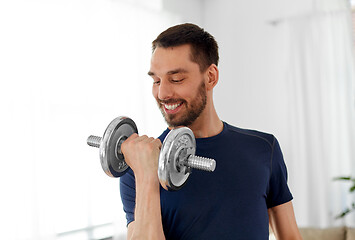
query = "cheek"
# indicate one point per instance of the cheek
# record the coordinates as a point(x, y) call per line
point(154, 91)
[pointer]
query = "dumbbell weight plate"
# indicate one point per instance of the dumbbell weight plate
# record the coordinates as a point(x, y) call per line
point(177, 146)
point(112, 160)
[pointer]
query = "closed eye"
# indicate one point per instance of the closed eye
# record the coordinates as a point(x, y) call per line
point(177, 80)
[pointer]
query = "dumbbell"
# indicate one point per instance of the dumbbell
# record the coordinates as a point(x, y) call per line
point(176, 159)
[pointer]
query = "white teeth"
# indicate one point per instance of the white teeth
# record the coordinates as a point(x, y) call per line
point(171, 107)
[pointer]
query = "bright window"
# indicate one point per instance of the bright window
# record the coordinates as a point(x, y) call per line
point(67, 69)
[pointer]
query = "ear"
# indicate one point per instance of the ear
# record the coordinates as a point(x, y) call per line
point(212, 76)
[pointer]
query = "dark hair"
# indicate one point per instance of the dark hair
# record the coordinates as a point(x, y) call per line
point(204, 48)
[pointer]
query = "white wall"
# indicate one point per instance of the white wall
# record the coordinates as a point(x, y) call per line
point(185, 10)
point(251, 53)
point(251, 56)
point(67, 68)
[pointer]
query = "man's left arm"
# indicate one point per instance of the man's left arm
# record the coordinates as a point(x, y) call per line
point(283, 222)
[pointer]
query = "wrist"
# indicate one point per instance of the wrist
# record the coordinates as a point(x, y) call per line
point(147, 179)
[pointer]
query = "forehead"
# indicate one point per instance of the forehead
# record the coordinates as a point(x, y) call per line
point(166, 59)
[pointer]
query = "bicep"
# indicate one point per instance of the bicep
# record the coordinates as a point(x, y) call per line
point(283, 222)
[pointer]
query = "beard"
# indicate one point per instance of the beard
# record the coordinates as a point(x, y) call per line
point(192, 112)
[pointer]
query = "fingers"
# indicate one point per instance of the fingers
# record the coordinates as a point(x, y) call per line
point(141, 153)
point(140, 141)
point(151, 142)
point(135, 138)
point(158, 142)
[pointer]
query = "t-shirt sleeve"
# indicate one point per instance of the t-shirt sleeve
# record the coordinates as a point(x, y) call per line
point(279, 192)
point(128, 194)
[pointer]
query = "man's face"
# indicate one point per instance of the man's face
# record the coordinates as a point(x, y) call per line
point(178, 85)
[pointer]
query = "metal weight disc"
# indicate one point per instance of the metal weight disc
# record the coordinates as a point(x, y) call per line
point(112, 160)
point(177, 146)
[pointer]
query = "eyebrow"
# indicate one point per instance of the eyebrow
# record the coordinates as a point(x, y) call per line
point(172, 72)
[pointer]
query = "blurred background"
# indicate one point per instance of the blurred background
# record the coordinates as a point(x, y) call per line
point(68, 67)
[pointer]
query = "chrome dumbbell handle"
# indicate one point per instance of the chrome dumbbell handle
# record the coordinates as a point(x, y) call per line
point(94, 141)
point(201, 163)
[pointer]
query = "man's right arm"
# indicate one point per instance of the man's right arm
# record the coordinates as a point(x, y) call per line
point(141, 154)
point(147, 224)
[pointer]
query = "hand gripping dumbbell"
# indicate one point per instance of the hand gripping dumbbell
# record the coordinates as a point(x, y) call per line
point(177, 155)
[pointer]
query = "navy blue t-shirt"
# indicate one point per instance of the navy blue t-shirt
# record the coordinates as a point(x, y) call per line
point(232, 201)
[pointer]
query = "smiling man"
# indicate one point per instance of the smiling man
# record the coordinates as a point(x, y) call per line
point(179, 87)
point(247, 191)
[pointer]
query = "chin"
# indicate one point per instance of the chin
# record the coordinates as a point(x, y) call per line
point(172, 123)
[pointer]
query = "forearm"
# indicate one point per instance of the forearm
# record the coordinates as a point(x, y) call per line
point(283, 222)
point(148, 223)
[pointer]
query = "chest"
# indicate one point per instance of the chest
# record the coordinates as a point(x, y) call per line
point(237, 188)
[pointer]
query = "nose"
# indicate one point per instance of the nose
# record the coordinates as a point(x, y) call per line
point(165, 90)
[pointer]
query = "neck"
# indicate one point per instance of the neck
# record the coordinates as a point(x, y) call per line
point(207, 125)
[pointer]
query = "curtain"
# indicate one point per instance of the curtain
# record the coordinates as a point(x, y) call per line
point(67, 69)
point(321, 110)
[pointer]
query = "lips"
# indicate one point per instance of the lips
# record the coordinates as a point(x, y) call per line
point(172, 108)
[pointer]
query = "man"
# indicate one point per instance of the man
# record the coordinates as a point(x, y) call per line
point(247, 191)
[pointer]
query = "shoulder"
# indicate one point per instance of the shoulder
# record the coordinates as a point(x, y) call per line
point(250, 135)
point(163, 135)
